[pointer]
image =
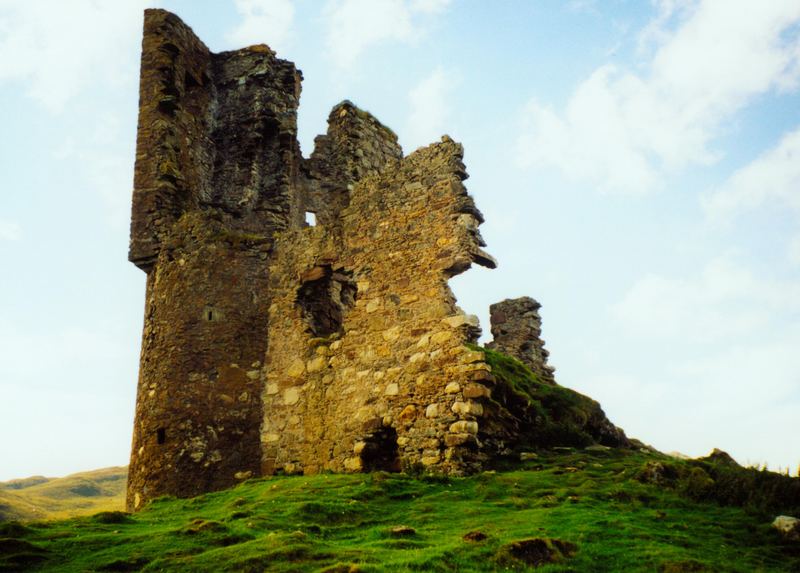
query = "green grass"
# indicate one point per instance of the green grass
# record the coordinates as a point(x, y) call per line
point(551, 415)
point(595, 501)
point(612, 510)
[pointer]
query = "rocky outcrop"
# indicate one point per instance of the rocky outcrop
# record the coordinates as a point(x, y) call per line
point(517, 331)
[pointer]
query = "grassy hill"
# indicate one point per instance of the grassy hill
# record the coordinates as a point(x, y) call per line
point(83, 493)
point(596, 510)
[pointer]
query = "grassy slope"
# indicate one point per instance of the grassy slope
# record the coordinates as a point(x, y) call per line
point(550, 415)
point(626, 510)
point(49, 498)
point(593, 499)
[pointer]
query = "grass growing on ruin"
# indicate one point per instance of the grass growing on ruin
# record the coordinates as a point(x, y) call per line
point(553, 415)
point(337, 523)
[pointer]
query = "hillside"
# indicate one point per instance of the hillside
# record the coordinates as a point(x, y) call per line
point(591, 510)
point(82, 493)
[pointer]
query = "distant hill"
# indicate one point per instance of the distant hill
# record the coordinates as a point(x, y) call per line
point(39, 497)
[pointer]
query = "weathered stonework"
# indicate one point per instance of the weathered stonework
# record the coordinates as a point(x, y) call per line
point(273, 346)
point(517, 331)
point(375, 382)
point(217, 158)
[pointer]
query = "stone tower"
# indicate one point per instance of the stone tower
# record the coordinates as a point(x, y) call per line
point(216, 160)
point(275, 345)
point(218, 224)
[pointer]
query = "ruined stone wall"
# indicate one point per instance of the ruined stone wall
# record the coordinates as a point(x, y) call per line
point(355, 145)
point(217, 158)
point(517, 330)
point(198, 405)
point(274, 346)
point(173, 154)
point(392, 383)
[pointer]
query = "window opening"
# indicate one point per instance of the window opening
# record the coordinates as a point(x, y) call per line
point(325, 300)
point(161, 435)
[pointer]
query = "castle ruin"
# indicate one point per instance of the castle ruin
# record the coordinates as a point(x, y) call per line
point(275, 345)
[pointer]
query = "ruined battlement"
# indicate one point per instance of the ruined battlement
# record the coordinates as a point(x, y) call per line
point(517, 331)
point(271, 345)
point(216, 131)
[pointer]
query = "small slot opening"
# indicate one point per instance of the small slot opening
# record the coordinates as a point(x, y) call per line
point(311, 219)
point(210, 315)
point(161, 435)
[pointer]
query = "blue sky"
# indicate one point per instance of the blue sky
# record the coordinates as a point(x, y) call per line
point(638, 165)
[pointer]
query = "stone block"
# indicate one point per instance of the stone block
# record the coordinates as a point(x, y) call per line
point(464, 427)
point(297, 368)
point(459, 320)
point(453, 440)
point(432, 411)
point(407, 415)
point(467, 409)
point(291, 396)
point(476, 391)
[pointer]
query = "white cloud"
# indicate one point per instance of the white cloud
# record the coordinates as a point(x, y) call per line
point(429, 6)
point(263, 21)
point(623, 130)
point(722, 303)
point(430, 102)
point(56, 47)
point(104, 156)
point(774, 176)
point(582, 6)
point(713, 362)
point(355, 25)
point(793, 253)
point(10, 231)
point(668, 13)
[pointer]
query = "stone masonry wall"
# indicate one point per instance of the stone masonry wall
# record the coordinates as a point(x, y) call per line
point(517, 331)
point(273, 346)
point(355, 145)
point(173, 155)
point(392, 384)
point(217, 160)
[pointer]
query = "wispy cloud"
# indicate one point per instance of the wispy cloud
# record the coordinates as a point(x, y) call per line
point(430, 108)
point(622, 130)
point(724, 302)
point(55, 48)
point(10, 230)
point(104, 158)
point(712, 360)
point(772, 177)
point(356, 25)
point(793, 251)
point(263, 22)
point(429, 6)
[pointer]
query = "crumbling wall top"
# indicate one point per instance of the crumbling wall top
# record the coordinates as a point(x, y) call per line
point(517, 330)
point(216, 131)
